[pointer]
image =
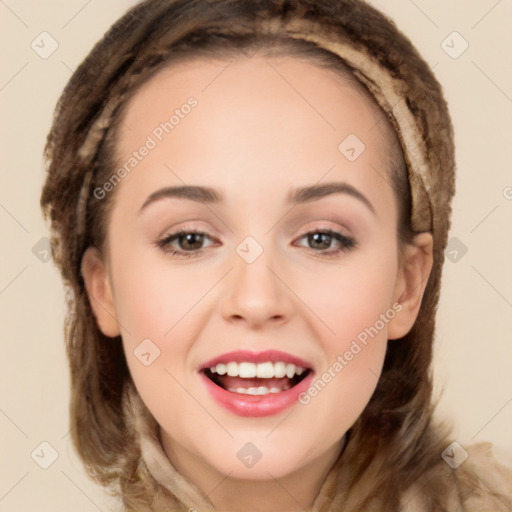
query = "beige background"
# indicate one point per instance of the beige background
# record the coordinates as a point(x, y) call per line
point(473, 348)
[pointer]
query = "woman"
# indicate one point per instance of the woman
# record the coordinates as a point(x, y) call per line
point(250, 203)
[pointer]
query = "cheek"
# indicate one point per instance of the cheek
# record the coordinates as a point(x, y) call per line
point(351, 297)
point(152, 299)
point(157, 307)
point(354, 356)
point(354, 304)
point(154, 304)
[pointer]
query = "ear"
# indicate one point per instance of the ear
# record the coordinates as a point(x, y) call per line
point(99, 291)
point(414, 271)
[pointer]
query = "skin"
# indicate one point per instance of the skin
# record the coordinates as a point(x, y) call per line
point(254, 138)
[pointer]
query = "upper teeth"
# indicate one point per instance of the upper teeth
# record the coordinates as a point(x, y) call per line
point(266, 370)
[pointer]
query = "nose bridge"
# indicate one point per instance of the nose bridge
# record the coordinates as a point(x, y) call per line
point(255, 292)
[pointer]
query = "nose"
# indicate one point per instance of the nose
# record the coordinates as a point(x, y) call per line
point(256, 294)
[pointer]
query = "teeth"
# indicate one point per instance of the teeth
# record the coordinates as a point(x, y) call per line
point(247, 370)
point(279, 370)
point(290, 370)
point(232, 369)
point(267, 370)
point(262, 390)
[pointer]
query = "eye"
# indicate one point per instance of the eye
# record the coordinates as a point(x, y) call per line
point(328, 242)
point(184, 243)
point(190, 243)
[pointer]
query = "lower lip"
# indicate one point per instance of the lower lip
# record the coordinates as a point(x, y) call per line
point(257, 405)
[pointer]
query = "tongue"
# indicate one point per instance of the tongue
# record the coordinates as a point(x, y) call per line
point(239, 382)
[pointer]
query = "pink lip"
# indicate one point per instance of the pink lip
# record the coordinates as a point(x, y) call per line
point(257, 405)
point(239, 356)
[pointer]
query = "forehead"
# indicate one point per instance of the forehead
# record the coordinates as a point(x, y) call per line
point(299, 83)
point(254, 120)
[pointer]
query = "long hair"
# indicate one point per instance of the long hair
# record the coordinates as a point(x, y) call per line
point(394, 439)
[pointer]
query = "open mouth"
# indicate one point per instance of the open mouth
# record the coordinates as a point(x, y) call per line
point(256, 378)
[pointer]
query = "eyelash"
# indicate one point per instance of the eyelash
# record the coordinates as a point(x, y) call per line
point(347, 243)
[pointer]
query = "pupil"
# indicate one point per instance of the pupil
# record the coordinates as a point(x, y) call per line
point(320, 240)
point(192, 239)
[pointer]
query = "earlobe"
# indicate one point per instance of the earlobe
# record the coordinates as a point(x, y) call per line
point(414, 272)
point(99, 291)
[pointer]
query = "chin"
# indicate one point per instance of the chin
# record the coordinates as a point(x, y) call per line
point(257, 458)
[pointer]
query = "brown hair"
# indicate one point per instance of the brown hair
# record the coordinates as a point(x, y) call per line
point(396, 426)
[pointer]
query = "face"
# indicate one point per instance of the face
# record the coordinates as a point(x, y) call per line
point(256, 308)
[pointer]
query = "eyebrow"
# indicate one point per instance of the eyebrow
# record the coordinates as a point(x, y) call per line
point(315, 192)
point(300, 195)
point(191, 192)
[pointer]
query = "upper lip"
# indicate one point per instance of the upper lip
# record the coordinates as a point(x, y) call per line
point(240, 356)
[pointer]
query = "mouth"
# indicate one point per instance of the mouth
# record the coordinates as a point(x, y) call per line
point(254, 379)
point(256, 384)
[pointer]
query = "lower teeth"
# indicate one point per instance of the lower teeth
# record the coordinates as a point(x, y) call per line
point(262, 390)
